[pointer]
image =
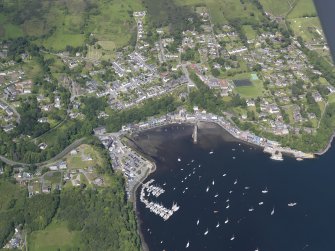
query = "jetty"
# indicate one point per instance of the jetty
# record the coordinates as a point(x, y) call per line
point(154, 207)
point(195, 133)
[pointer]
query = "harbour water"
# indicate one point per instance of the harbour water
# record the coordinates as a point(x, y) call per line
point(325, 9)
point(232, 196)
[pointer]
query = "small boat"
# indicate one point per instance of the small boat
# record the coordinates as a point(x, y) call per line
point(207, 189)
point(198, 222)
point(226, 221)
point(234, 157)
point(217, 225)
point(213, 182)
point(232, 238)
point(227, 206)
point(227, 200)
point(231, 191)
point(273, 211)
point(192, 160)
point(215, 211)
point(211, 152)
point(246, 188)
point(233, 149)
point(251, 209)
point(235, 182)
point(224, 174)
point(260, 203)
point(179, 159)
point(265, 190)
point(216, 195)
point(292, 204)
point(161, 242)
point(188, 244)
point(206, 232)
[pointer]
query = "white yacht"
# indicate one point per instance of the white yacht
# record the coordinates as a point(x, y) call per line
point(251, 209)
point(179, 159)
point(260, 203)
point(198, 222)
point(232, 238)
point(224, 174)
point(188, 244)
point(265, 190)
point(207, 189)
point(273, 211)
point(226, 221)
point(213, 182)
point(217, 225)
point(216, 195)
point(206, 232)
point(292, 204)
point(235, 182)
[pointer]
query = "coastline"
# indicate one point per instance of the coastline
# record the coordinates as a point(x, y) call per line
point(134, 147)
point(211, 127)
point(322, 152)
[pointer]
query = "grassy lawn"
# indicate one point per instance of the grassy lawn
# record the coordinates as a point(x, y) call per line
point(253, 91)
point(303, 8)
point(9, 193)
point(70, 22)
point(79, 161)
point(275, 7)
point(54, 237)
point(308, 28)
point(331, 98)
point(249, 32)
point(53, 177)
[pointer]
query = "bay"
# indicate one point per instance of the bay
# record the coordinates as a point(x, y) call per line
point(309, 225)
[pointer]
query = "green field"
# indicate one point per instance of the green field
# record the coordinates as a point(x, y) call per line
point(253, 91)
point(54, 237)
point(275, 7)
point(303, 8)
point(56, 24)
point(249, 32)
point(78, 161)
point(308, 28)
point(10, 193)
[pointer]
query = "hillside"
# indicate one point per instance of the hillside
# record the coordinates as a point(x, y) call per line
point(58, 23)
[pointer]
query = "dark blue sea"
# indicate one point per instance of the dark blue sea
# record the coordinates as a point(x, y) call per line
point(237, 174)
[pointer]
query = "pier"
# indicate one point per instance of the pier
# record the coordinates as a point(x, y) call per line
point(195, 133)
point(154, 207)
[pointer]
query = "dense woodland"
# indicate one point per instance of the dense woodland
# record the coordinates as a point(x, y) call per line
point(103, 215)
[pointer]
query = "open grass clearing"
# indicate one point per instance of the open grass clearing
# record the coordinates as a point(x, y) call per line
point(303, 8)
point(55, 237)
point(275, 7)
point(86, 156)
point(308, 28)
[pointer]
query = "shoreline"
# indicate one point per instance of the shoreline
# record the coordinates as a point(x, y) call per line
point(134, 147)
point(202, 125)
point(330, 142)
